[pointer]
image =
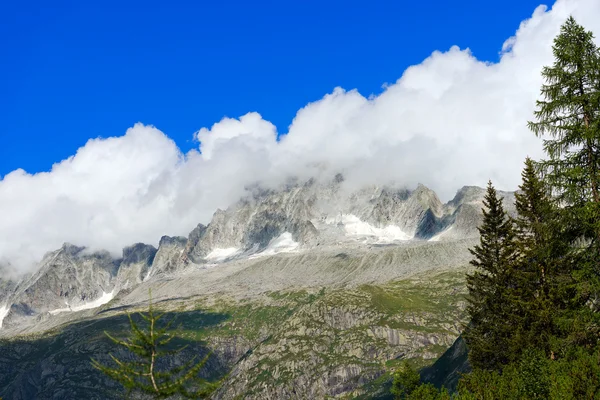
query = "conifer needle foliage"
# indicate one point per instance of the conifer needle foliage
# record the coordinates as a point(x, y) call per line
point(145, 370)
point(491, 286)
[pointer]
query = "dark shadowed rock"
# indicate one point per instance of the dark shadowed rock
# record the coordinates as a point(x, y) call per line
point(138, 253)
point(447, 370)
point(135, 265)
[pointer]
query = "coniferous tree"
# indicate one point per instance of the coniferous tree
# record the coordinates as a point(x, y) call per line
point(569, 116)
point(535, 212)
point(545, 279)
point(492, 287)
point(150, 346)
point(406, 380)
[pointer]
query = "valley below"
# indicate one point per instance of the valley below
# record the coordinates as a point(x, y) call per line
point(308, 343)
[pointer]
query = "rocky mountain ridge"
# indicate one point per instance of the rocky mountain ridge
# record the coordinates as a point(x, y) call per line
point(299, 217)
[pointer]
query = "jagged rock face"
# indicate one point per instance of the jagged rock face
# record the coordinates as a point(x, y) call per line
point(316, 213)
point(67, 277)
point(417, 213)
point(302, 216)
point(139, 253)
point(170, 254)
point(7, 287)
point(254, 222)
point(135, 265)
point(464, 213)
point(7, 290)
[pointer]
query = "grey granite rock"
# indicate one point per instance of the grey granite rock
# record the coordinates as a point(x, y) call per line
point(314, 214)
point(66, 278)
point(170, 254)
point(135, 265)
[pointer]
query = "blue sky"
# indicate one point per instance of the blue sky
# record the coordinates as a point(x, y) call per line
point(70, 71)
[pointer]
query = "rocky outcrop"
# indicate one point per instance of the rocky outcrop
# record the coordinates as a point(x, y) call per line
point(416, 213)
point(170, 255)
point(135, 265)
point(463, 213)
point(7, 287)
point(73, 279)
point(67, 277)
point(447, 370)
point(317, 214)
point(253, 223)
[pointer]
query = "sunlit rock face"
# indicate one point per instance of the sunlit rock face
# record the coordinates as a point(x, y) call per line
point(68, 277)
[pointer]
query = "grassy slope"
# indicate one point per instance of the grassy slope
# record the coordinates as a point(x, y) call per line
point(282, 338)
point(306, 335)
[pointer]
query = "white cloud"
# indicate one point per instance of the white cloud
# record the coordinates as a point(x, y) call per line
point(250, 130)
point(447, 122)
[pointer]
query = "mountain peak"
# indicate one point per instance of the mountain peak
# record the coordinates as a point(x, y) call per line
point(137, 253)
point(71, 249)
point(468, 194)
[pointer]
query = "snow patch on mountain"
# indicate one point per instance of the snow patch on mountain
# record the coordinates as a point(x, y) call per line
point(284, 243)
point(221, 254)
point(354, 226)
point(3, 313)
point(105, 298)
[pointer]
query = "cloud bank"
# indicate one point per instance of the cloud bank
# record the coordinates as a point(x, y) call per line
point(450, 121)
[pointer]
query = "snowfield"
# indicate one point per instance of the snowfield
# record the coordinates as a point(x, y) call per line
point(218, 254)
point(354, 226)
point(105, 298)
point(3, 313)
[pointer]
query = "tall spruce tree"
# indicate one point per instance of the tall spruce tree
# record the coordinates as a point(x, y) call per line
point(545, 280)
point(535, 210)
point(568, 117)
point(569, 114)
point(492, 287)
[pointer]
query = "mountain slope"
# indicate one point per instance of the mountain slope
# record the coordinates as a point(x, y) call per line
point(320, 287)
